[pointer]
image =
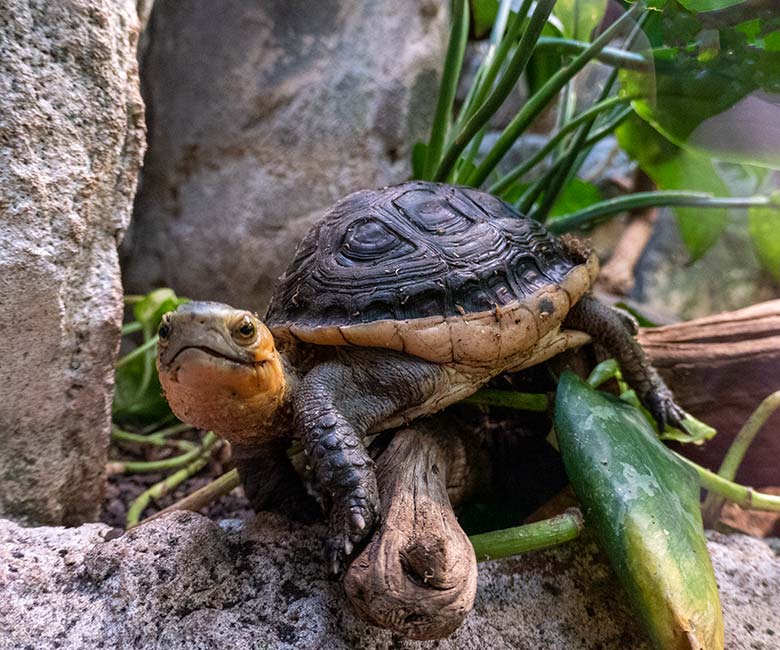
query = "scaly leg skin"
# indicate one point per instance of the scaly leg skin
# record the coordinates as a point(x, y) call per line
point(616, 333)
point(336, 404)
point(271, 483)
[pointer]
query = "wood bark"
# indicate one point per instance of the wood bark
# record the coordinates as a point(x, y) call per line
point(720, 368)
point(418, 574)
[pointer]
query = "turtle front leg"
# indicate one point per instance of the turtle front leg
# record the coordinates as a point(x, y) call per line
point(336, 404)
point(616, 331)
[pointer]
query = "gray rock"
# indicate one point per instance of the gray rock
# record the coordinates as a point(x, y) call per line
point(182, 581)
point(262, 114)
point(71, 142)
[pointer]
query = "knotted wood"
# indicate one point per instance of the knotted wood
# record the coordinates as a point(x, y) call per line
point(418, 574)
point(720, 368)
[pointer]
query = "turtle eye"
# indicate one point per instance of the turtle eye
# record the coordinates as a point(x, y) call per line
point(245, 330)
point(165, 328)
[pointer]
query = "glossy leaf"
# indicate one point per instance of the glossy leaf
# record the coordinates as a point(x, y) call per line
point(643, 504)
point(764, 226)
point(580, 17)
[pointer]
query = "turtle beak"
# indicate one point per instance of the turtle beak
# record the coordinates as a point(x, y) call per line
point(199, 326)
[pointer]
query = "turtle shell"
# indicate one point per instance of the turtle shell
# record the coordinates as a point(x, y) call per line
point(446, 273)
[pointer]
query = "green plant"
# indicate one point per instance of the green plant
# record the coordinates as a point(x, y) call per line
point(685, 68)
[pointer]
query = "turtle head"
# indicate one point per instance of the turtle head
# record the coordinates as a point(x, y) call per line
point(220, 369)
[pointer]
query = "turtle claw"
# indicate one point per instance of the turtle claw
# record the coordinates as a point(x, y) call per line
point(664, 410)
point(351, 520)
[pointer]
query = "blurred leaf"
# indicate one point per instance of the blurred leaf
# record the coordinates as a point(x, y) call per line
point(483, 14)
point(580, 17)
point(643, 504)
point(544, 62)
point(137, 391)
point(150, 310)
point(673, 168)
point(717, 84)
point(764, 224)
point(575, 195)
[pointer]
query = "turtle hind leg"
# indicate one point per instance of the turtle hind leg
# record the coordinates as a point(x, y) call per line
point(615, 331)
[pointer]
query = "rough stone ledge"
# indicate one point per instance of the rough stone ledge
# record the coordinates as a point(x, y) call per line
point(183, 581)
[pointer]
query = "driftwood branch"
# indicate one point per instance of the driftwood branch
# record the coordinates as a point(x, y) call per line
point(720, 368)
point(418, 574)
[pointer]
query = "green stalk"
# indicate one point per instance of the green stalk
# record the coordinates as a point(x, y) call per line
point(504, 183)
point(119, 435)
point(162, 488)
point(139, 351)
point(546, 93)
point(129, 328)
point(528, 198)
point(449, 83)
point(713, 503)
point(578, 149)
point(494, 57)
point(503, 88)
point(137, 467)
point(743, 496)
point(531, 537)
point(612, 56)
point(510, 399)
point(598, 212)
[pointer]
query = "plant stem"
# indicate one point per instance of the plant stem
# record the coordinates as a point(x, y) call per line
point(204, 496)
point(540, 99)
point(139, 351)
point(742, 495)
point(162, 488)
point(510, 399)
point(713, 503)
point(598, 212)
point(157, 441)
point(137, 467)
point(531, 537)
point(613, 56)
point(503, 88)
point(504, 183)
point(449, 83)
point(129, 328)
point(526, 201)
point(494, 57)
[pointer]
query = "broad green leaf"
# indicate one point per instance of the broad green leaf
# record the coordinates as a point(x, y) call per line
point(673, 168)
point(764, 224)
point(580, 17)
point(643, 504)
point(575, 195)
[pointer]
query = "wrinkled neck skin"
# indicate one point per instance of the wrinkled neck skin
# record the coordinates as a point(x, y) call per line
point(247, 405)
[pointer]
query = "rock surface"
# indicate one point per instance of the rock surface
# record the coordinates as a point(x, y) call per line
point(71, 143)
point(181, 581)
point(263, 114)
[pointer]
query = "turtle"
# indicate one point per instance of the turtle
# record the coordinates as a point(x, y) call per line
point(399, 302)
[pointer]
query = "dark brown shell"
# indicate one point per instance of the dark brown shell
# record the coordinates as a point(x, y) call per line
point(413, 251)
